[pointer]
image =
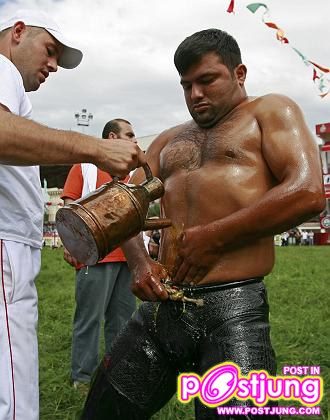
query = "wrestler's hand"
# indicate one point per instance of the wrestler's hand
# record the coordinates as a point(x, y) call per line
point(69, 258)
point(197, 253)
point(147, 284)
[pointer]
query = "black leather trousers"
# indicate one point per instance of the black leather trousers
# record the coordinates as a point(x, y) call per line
point(162, 340)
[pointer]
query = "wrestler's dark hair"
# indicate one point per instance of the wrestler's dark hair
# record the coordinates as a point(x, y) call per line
point(113, 126)
point(194, 47)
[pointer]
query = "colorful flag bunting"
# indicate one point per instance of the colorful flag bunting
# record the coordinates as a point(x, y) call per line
point(319, 72)
point(231, 6)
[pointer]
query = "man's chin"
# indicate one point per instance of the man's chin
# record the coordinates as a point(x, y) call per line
point(204, 122)
point(32, 87)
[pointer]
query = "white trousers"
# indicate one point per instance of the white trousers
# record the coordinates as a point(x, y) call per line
point(19, 381)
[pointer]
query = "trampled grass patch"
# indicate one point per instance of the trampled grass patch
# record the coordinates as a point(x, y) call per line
point(298, 292)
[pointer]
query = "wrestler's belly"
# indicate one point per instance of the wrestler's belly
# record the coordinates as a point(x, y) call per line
point(202, 198)
point(253, 260)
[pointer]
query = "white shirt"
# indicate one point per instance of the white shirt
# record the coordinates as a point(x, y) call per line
point(304, 235)
point(146, 240)
point(21, 202)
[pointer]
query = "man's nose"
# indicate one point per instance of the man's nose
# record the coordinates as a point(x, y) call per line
point(52, 64)
point(196, 92)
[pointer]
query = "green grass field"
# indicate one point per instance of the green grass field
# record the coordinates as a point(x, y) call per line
point(299, 299)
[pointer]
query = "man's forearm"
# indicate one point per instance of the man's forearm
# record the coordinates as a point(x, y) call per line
point(25, 142)
point(278, 210)
point(135, 251)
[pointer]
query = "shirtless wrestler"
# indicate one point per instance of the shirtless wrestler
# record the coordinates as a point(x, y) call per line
point(242, 170)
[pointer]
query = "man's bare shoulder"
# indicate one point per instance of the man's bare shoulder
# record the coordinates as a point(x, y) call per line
point(273, 103)
point(170, 133)
point(167, 135)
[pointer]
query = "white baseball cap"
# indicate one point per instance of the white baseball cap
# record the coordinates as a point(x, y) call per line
point(70, 57)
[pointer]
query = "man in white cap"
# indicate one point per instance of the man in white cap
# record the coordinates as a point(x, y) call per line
point(31, 47)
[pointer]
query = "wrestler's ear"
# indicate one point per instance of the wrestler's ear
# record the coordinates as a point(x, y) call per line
point(240, 73)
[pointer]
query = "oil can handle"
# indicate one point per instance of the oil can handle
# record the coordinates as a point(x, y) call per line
point(148, 172)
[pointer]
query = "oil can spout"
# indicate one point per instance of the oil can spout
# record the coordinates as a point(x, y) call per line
point(154, 224)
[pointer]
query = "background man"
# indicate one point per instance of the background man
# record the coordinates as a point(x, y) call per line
point(31, 47)
point(310, 237)
point(242, 170)
point(304, 237)
point(103, 290)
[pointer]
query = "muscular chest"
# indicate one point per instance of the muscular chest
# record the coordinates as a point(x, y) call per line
point(226, 144)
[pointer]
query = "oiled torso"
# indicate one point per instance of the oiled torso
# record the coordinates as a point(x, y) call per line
point(208, 175)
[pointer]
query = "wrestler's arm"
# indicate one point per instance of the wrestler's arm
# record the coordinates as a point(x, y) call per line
point(146, 273)
point(293, 158)
point(25, 142)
